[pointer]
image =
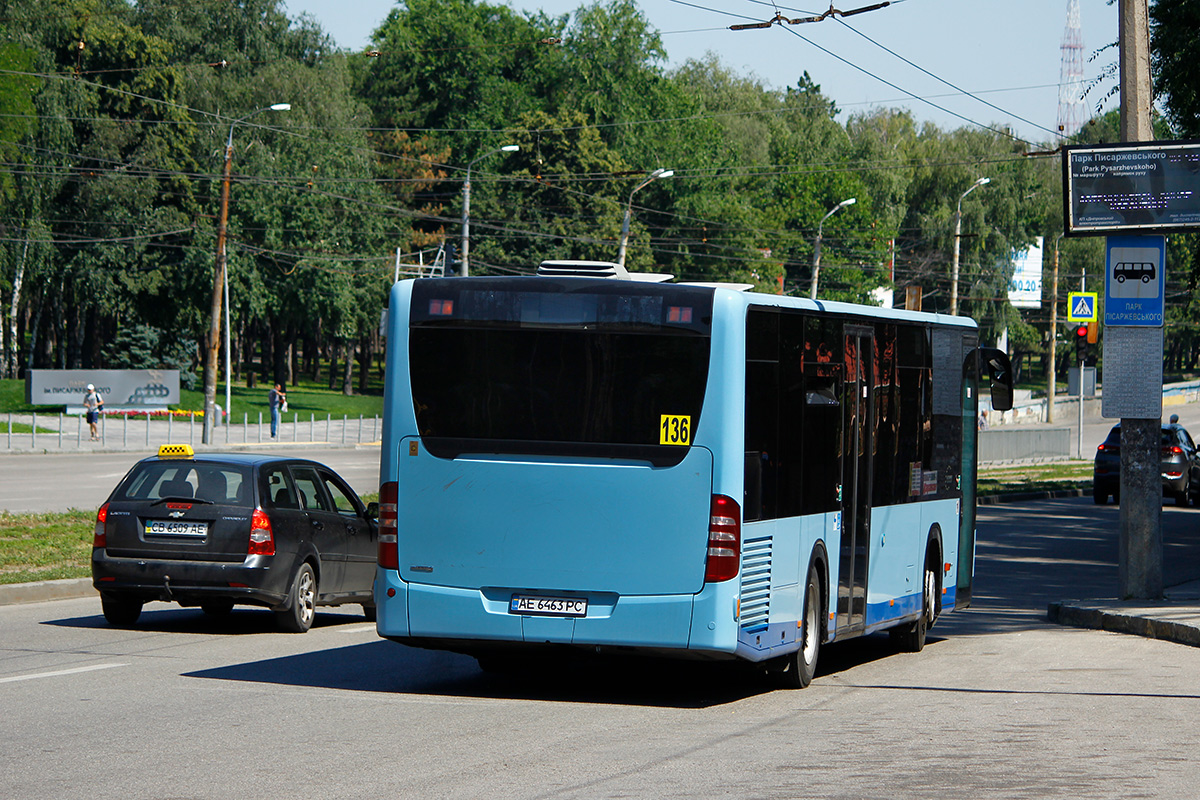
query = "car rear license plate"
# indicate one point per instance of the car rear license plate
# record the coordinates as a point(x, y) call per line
point(160, 527)
point(548, 606)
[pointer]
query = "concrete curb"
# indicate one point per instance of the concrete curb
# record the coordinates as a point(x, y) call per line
point(43, 591)
point(1172, 621)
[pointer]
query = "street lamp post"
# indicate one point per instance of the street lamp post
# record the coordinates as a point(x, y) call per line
point(957, 233)
point(812, 292)
point(466, 213)
point(651, 178)
point(220, 283)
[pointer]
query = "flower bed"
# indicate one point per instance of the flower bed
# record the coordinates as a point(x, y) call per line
point(154, 414)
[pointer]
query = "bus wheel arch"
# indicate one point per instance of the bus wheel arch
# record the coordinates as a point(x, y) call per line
point(796, 669)
point(910, 637)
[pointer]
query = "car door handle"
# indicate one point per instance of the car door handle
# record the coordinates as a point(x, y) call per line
point(316, 523)
point(350, 529)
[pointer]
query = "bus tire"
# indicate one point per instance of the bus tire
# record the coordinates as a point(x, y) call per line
point(911, 638)
point(302, 605)
point(796, 669)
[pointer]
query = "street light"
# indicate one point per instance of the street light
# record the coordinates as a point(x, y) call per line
point(812, 292)
point(651, 178)
point(220, 288)
point(466, 217)
point(957, 232)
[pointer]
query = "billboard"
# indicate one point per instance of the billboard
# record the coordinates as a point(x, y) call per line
point(1136, 187)
point(1025, 288)
point(120, 388)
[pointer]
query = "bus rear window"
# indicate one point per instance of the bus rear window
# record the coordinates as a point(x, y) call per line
point(571, 368)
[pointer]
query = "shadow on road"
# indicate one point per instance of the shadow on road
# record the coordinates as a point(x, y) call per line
point(168, 618)
point(394, 668)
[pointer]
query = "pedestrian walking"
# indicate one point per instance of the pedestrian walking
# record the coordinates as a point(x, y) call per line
point(94, 404)
point(277, 401)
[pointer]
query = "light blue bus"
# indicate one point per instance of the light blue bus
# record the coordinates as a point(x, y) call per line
point(678, 469)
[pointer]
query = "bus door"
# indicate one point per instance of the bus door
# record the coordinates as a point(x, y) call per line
point(857, 447)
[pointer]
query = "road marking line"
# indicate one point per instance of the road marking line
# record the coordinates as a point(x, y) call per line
point(358, 629)
point(56, 673)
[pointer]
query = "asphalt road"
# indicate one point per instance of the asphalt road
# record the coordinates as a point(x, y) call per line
point(61, 481)
point(1001, 704)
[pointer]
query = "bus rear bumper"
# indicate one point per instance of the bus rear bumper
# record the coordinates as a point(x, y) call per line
point(650, 622)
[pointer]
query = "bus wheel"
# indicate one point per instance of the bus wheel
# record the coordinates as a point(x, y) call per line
point(796, 670)
point(911, 638)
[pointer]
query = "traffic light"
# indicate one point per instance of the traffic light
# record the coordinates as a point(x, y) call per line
point(1081, 342)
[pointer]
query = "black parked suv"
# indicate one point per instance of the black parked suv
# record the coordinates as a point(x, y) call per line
point(215, 530)
point(1179, 463)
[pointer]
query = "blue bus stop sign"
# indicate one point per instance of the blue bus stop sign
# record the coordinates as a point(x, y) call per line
point(1134, 283)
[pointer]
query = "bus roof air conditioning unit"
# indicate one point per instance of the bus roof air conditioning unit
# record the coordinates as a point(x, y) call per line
point(582, 269)
point(599, 269)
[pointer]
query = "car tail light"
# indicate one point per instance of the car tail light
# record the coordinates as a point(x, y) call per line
point(724, 539)
point(262, 538)
point(1109, 448)
point(389, 550)
point(1172, 451)
point(100, 536)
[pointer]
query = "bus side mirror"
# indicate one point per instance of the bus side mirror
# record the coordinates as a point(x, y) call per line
point(999, 372)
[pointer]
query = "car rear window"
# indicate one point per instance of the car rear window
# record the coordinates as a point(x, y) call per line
point(222, 484)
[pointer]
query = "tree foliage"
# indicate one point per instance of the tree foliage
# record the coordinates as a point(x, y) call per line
point(115, 116)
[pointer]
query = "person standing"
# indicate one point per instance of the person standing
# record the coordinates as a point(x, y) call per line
point(94, 404)
point(275, 399)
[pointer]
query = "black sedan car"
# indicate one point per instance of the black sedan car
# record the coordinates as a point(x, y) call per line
point(1179, 462)
point(215, 530)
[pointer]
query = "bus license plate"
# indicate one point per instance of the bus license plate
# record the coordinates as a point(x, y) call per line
point(548, 606)
point(159, 527)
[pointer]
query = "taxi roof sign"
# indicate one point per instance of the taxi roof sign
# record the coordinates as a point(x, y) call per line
point(1081, 307)
point(176, 451)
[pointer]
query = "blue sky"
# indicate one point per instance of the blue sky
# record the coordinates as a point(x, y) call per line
point(1007, 52)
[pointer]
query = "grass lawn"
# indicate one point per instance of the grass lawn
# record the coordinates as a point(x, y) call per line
point(21, 427)
point(1048, 476)
point(43, 547)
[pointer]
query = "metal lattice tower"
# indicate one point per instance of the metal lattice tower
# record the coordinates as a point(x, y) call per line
point(1070, 79)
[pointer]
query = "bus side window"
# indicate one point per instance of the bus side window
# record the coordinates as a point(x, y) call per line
point(760, 482)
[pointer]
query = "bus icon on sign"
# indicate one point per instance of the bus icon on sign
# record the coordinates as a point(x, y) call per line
point(1144, 271)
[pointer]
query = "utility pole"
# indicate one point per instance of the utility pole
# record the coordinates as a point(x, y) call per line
point(1051, 375)
point(1140, 571)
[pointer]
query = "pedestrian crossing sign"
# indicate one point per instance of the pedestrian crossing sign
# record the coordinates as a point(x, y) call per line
point(1081, 307)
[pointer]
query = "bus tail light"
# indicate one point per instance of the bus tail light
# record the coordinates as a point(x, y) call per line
point(724, 539)
point(389, 552)
point(262, 538)
point(100, 535)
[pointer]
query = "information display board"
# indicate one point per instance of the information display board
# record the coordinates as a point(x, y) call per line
point(1135, 187)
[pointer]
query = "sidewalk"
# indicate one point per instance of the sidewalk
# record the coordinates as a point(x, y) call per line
point(55, 433)
point(1175, 618)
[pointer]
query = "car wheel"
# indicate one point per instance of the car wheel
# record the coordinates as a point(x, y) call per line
point(121, 612)
point(217, 608)
point(302, 605)
point(1183, 496)
point(369, 611)
point(796, 670)
point(1099, 495)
